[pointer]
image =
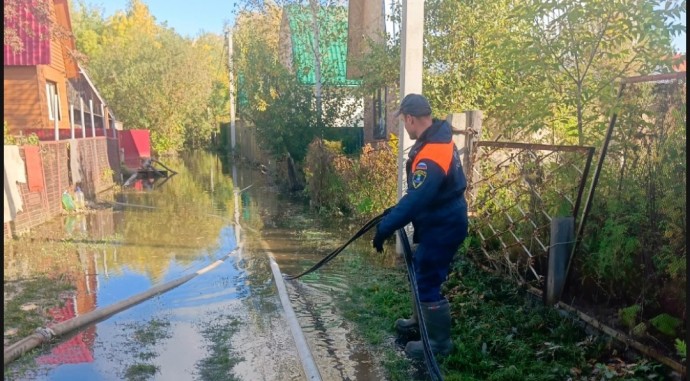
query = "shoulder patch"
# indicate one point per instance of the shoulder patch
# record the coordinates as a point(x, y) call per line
point(421, 166)
point(418, 177)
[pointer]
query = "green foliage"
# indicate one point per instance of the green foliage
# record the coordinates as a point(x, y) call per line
point(222, 357)
point(578, 49)
point(29, 140)
point(324, 187)
point(628, 315)
point(363, 185)
point(287, 114)
point(666, 324)
point(8, 139)
point(350, 137)
point(539, 71)
point(465, 68)
point(522, 340)
point(154, 78)
point(371, 180)
point(639, 330)
point(613, 256)
point(634, 241)
point(682, 348)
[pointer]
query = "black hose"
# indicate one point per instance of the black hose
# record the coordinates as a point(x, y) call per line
point(373, 222)
point(429, 358)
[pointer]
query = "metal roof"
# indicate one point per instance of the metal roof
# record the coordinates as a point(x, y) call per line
point(35, 38)
point(332, 45)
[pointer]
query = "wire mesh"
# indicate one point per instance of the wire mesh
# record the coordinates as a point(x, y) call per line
point(514, 191)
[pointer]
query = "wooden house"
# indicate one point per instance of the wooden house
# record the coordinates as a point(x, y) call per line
point(44, 82)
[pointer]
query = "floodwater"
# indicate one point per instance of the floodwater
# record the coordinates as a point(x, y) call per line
point(227, 323)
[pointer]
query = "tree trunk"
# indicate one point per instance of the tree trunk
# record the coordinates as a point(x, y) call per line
point(314, 5)
point(580, 132)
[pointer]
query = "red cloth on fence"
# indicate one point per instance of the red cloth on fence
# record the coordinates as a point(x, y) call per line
point(34, 168)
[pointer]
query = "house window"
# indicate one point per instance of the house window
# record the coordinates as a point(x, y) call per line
point(380, 114)
point(51, 95)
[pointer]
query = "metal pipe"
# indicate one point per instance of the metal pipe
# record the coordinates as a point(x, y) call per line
point(593, 186)
point(581, 188)
point(45, 334)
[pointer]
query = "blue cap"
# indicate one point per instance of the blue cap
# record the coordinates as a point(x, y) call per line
point(415, 105)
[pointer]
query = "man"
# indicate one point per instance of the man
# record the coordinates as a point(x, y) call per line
point(435, 204)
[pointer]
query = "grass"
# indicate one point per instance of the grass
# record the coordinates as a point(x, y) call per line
point(144, 337)
point(500, 332)
point(43, 291)
point(46, 293)
point(218, 364)
point(140, 372)
point(42, 259)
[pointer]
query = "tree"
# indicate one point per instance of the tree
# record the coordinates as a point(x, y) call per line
point(286, 113)
point(154, 78)
point(268, 95)
point(583, 47)
point(316, 25)
point(88, 26)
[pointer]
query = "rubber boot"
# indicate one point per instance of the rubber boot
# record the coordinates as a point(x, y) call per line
point(437, 319)
point(408, 329)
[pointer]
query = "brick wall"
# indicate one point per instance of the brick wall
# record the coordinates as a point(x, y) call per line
point(97, 166)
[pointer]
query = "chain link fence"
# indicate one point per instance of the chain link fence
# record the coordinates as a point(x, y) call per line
point(515, 190)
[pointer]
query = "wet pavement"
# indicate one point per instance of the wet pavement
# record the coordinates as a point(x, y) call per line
point(225, 324)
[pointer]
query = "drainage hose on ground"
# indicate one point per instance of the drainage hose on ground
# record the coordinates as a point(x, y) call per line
point(373, 222)
point(44, 335)
point(429, 358)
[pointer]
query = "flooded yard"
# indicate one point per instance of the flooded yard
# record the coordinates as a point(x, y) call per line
point(227, 323)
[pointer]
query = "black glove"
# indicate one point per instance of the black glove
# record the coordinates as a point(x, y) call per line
point(377, 242)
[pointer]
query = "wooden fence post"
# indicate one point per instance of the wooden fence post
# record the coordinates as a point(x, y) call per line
point(467, 128)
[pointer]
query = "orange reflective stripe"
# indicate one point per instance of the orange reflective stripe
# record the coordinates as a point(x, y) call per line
point(439, 153)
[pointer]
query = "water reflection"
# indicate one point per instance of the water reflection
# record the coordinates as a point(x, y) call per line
point(151, 237)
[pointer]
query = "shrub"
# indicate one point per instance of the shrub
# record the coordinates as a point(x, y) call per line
point(324, 187)
point(362, 186)
point(371, 179)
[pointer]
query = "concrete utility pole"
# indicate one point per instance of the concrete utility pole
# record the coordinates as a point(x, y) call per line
point(411, 41)
point(228, 32)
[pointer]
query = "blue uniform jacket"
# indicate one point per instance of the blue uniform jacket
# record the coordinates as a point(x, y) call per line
point(435, 198)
